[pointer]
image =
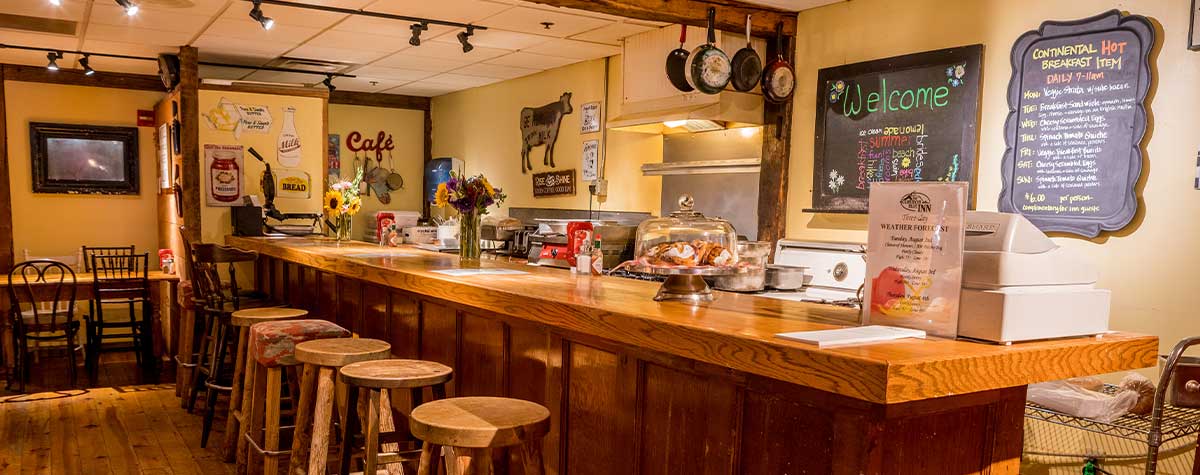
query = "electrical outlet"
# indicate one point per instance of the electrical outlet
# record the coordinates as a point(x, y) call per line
point(599, 187)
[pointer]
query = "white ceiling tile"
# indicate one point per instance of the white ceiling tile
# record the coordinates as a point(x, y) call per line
point(533, 61)
point(404, 60)
point(38, 39)
point(460, 80)
point(284, 16)
point(391, 74)
point(351, 4)
point(494, 71)
point(612, 34)
point(528, 20)
point(359, 41)
point(386, 27)
point(238, 50)
point(461, 11)
point(284, 77)
point(153, 18)
point(136, 35)
point(363, 84)
point(424, 89)
point(437, 49)
point(574, 49)
point(311, 51)
point(205, 8)
point(249, 30)
point(220, 72)
point(500, 39)
point(130, 49)
point(69, 10)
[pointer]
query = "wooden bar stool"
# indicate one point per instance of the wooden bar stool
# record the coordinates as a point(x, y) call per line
point(322, 359)
point(273, 347)
point(377, 376)
point(472, 426)
point(243, 371)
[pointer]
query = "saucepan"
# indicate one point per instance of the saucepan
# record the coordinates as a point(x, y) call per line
point(781, 277)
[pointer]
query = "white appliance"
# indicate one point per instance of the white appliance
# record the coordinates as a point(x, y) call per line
point(838, 269)
point(1018, 285)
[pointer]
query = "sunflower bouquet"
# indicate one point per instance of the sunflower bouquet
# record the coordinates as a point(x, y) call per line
point(471, 197)
point(341, 203)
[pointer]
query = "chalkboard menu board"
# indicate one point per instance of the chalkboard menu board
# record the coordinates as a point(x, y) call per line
point(907, 118)
point(1076, 122)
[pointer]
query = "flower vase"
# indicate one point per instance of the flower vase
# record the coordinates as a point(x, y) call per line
point(468, 238)
point(342, 228)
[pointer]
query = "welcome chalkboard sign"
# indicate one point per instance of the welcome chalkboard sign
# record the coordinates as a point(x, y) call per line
point(907, 118)
point(1076, 121)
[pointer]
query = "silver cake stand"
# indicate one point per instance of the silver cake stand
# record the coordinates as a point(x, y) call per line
point(684, 284)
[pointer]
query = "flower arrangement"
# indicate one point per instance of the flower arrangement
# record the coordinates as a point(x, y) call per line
point(471, 197)
point(341, 203)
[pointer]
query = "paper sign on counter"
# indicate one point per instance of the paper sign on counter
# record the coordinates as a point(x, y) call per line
point(853, 335)
point(466, 272)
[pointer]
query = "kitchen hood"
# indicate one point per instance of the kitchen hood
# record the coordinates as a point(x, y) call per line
point(651, 104)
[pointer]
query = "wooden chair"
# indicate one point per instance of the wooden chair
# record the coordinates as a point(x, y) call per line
point(85, 265)
point(75, 262)
point(472, 426)
point(377, 377)
point(120, 281)
point(87, 252)
point(29, 284)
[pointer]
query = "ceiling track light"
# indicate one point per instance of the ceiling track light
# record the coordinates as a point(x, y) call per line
point(328, 82)
point(53, 57)
point(131, 8)
point(57, 3)
point(463, 37)
point(257, 14)
point(87, 69)
point(417, 28)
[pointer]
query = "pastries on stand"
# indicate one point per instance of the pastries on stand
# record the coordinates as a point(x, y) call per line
point(685, 246)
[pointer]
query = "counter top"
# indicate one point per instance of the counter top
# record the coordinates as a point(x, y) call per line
point(736, 331)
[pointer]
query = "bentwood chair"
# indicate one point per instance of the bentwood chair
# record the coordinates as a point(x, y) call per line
point(75, 262)
point(31, 284)
point(89, 251)
point(119, 281)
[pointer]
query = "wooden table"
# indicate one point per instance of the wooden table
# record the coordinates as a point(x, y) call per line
point(164, 321)
point(666, 387)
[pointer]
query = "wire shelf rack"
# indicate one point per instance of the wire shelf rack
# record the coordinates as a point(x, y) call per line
point(1176, 422)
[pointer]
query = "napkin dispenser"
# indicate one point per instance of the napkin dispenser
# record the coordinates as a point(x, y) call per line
point(1018, 285)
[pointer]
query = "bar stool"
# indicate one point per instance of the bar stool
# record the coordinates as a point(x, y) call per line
point(322, 359)
point(273, 347)
point(472, 426)
point(377, 376)
point(243, 370)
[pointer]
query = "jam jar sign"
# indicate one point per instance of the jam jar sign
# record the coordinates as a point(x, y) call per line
point(289, 142)
point(225, 177)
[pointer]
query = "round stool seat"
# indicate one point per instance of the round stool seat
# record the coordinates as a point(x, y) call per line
point(339, 352)
point(250, 316)
point(479, 422)
point(395, 374)
point(274, 343)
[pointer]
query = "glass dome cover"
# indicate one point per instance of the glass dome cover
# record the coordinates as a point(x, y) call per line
point(686, 241)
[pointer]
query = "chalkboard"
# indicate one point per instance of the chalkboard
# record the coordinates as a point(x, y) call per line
point(1076, 122)
point(907, 118)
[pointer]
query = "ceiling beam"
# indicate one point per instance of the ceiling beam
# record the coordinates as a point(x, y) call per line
point(731, 15)
point(394, 101)
point(75, 77)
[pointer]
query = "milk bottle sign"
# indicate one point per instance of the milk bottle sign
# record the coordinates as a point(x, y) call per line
point(289, 142)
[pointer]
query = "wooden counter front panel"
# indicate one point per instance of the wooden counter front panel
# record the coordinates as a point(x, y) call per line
point(619, 409)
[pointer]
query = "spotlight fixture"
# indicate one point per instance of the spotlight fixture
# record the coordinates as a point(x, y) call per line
point(87, 69)
point(463, 38)
point(257, 14)
point(57, 3)
point(53, 56)
point(417, 28)
point(131, 8)
point(328, 82)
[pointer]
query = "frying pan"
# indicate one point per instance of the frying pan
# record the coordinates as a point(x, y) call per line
point(747, 67)
point(709, 70)
point(778, 80)
point(677, 61)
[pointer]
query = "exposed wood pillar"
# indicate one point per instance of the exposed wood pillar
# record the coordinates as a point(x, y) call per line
point(731, 14)
point(189, 138)
point(428, 157)
point(6, 226)
point(776, 153)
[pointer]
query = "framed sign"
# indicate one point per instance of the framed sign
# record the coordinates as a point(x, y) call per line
point(223, 165)
point(1076, 123)
point(555, 183)
point(589, 122)
point(901, 119)
point(84, 159)
point(591, 160)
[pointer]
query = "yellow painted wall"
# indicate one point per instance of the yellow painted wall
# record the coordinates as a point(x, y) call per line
point(57, 224)
point(215, 221)
point(407, 129)
point(482, 127)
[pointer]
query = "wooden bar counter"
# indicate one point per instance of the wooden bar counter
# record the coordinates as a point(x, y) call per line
point(638, 386)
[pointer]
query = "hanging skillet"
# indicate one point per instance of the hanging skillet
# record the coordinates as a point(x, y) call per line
point(747, 67)
point(677, 61)
point(778, 80)
point(709, 70)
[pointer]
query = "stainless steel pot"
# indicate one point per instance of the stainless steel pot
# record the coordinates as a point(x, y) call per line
point(752, 259)
point(781, 277)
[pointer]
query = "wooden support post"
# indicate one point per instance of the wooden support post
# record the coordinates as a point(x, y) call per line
point(6, 227)
point(776, 153)
point(189, 118)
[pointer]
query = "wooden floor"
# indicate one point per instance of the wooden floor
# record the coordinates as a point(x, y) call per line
point(125, 425)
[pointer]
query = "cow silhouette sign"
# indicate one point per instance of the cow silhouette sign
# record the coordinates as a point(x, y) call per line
point(539, 126)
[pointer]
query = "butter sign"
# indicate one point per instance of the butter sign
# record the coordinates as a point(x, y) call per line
point(555, 183)
point(293, 183)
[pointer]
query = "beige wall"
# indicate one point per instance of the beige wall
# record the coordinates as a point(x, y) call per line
point(407, 129)
point(57, 224)
point(482, 127)
point(310, 112)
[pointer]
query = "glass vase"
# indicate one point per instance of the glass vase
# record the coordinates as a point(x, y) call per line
point(342, 228)
point(468, 238)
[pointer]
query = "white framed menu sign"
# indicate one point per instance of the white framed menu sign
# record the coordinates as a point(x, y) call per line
point(914, 255)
